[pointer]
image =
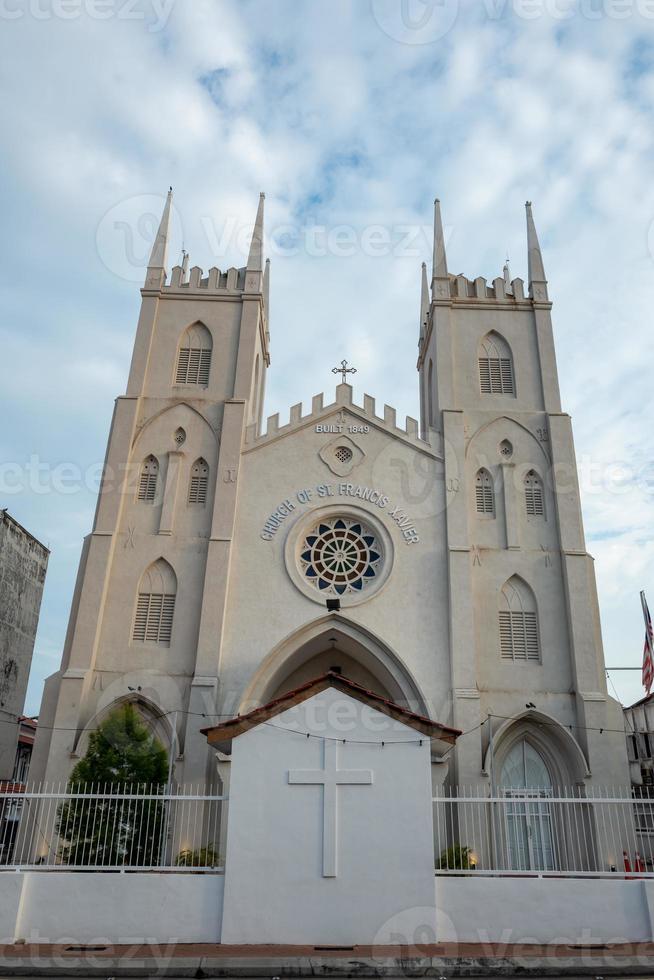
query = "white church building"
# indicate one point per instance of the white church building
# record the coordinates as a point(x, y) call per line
point(439, 564)
point(375, 647)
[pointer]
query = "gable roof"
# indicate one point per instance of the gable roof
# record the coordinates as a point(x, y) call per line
point(227, 730)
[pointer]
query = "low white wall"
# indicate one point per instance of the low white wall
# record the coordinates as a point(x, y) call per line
point(11, 887)
point(161, 908)
point(543, 910)
point(83, 907)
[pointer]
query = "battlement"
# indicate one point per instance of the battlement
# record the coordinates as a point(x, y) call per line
point(462, 288)
point(231, 280)
point(361, 414)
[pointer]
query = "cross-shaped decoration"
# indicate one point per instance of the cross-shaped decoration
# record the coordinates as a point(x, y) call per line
point(344, 370)
point(329, 777)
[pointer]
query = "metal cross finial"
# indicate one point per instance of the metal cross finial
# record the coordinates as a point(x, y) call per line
point(344, 370)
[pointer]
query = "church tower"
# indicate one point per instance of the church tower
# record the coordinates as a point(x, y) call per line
point(525, 638)
point(142, 626)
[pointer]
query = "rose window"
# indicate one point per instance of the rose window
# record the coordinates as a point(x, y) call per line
point(340, 556)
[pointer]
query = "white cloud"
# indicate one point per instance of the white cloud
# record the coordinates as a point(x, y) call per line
point(338, 123)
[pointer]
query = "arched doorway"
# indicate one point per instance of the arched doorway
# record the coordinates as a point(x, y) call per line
point(333, 642)
point(527, 783)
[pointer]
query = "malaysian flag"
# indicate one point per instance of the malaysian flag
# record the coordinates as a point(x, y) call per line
point(648, 652)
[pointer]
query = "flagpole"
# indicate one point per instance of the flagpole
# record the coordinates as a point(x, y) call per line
point(647, 676)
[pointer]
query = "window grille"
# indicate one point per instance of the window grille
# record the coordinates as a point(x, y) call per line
point(534, 497)
point(484, 495)
point(199, 484)
point(147, 488)
point(495, 366)
point(519, 635)
point(193, 366)
point(344, 454)
point(518, 622)
point(153, 622)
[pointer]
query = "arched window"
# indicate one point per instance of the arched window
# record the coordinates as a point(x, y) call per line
point(518, 622)
point(155, 604)
point(534, 496)
point(525, 768)
point(147, 489)
point(526, 781)
point(495, 366)
point(199, 482)
point(485, 493)
point(194, 357)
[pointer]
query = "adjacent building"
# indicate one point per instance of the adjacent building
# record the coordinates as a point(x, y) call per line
point(23, 565)
point(639, 730)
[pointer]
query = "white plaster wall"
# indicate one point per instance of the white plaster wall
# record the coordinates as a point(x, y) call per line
point(119, 908)
point(275, 891)
point(543, 910)
point(11, 886)
point(409, 614)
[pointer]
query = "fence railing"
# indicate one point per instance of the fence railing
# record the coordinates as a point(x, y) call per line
point(514, 832)
point(535, 832)
point(111, 828)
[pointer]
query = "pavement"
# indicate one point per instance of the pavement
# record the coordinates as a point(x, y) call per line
point(440, 961)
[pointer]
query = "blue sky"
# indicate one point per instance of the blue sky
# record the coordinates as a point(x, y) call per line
point(349, 115)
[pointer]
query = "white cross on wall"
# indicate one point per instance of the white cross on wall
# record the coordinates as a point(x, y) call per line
point(329, 777)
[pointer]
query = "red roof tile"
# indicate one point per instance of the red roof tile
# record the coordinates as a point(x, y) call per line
point(241, 723)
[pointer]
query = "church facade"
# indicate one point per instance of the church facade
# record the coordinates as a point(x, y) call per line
point(440, 564)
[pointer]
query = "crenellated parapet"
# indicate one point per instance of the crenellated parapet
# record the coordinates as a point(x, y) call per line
point(461, 288)
point(349, 414)
point(232, 280)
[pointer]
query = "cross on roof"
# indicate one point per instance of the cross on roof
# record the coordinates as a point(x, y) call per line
point(344, 370)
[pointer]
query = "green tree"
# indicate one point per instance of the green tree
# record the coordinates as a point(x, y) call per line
point(123, 758)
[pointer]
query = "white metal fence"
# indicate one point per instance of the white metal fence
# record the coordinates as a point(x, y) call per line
point(111, 828)
point(533, 832)
point(516, 832)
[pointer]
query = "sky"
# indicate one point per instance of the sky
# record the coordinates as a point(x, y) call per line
point(352, 117)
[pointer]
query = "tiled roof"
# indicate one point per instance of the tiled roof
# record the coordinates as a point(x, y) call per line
point(242, 723)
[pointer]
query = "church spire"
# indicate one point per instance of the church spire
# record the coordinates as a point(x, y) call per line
point(439, 265)
point(156, 273)
point(424, 300)
point(255, 258)
point(536, 270)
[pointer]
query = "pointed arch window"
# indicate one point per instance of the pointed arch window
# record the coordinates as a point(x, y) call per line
point(534, 495)
point(194, 357)
point(155, 604)
point(527, 783)
point(147, 489)
point(199, 483)
point(518, 622)
point(496, 375)
point(485, 493)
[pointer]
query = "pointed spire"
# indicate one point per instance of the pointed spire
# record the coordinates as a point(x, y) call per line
point(424, 300)
point(439, 267)
point(157, 264)
point(255, 258)
point(536, 273)
point(506, 272)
